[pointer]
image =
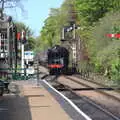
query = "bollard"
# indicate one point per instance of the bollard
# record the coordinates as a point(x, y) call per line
point(1, 87)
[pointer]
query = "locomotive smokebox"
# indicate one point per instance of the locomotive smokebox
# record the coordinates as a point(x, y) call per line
point(58, 59)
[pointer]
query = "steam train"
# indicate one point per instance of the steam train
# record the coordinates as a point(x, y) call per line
point(58, 60)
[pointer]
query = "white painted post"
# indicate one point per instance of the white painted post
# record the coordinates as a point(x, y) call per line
point(63, 34)
point(74, 52)
point(74, 47)
point(22, 53)
point(22, 59)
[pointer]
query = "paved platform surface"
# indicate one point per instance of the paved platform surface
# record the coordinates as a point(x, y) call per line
point(29, 102)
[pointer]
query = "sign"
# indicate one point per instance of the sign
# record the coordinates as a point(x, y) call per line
point(28, 55)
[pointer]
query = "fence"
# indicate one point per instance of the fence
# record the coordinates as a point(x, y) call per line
point(8, 73)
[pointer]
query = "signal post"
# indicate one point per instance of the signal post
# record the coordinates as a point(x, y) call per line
point(72, 41)
point(23, 40)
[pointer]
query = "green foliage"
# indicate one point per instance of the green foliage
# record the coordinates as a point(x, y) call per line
point(30, 44)
point(51, 31)
point(105, 51)
point(21, 26)
point(30, 40)
point(116, 30)
point(91, 10)
point(98, 18)
point(97, 35)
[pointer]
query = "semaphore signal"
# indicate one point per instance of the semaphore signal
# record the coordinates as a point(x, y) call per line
point(113, 35)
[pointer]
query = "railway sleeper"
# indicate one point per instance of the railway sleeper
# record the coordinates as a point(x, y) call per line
point(85, 89)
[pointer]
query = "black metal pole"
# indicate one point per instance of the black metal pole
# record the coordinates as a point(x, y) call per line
point(15, 34)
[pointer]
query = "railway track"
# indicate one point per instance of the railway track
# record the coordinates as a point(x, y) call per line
point(92, 85)
point(92, 109)
point(116, 89)
point(74, 94)
point(106, 99)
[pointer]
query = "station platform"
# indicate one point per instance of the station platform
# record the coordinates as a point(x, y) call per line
point(27, 101)
point(42, 105)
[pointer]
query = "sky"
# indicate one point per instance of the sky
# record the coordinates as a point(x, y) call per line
point(36, 12)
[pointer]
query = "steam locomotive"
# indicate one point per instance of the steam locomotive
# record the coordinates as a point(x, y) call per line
point(58, 60)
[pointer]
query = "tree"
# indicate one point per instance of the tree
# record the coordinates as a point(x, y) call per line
point(30, 40)
point(104, 51)
point(30, 44)
point(91, 10)
point(21, 26)
point(10, 4)
point(51, 31)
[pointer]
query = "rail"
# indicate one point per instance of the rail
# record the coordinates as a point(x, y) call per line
point(72, 95)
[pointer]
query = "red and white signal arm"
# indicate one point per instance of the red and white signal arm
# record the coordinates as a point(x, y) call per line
point(110, 35)
point(21, 36)
point(117, 35)
point(18, 36)
point(113, 35)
